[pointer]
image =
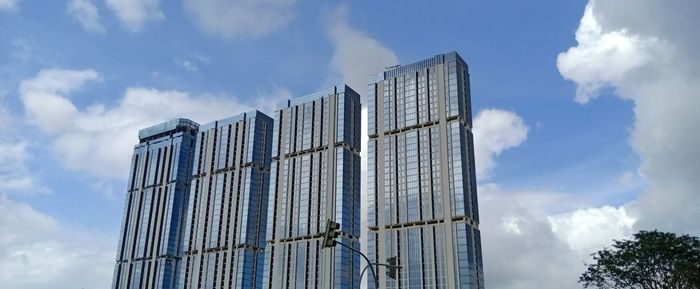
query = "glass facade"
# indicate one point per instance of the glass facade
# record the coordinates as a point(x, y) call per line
point(149, 243)
point(315, 176)
point(224, 230)
point(421, 179)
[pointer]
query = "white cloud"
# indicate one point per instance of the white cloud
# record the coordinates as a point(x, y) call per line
point(356, 55)
point(85, 12)
point(98, 139)
point(519, 248)
point(240, 19)
point(134, 13)
point(8, 5)
point(495, 130)
point(534, 239)
point(603, 58)
point(527, 244)
point(43, 101)
point(648, 52)
point(38, 252)
point(588, 230)
point(267, 101)
point(15, 176)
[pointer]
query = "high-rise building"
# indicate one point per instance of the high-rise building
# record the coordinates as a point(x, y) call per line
point(224, 232)
point(315, 176)
point(149, 243)
point(420, 176)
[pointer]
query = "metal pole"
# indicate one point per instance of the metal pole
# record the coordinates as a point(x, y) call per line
point(376, 281)
point(364, 270)
point(377, 264)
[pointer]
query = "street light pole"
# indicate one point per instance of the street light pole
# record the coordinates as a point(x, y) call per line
point(378, 264)
point(332, 232)
point(376, 281)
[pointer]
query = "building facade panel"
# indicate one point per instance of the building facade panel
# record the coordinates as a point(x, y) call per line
point(315, 177)
point(421, 177)
point(225, 223)
point(157, 189)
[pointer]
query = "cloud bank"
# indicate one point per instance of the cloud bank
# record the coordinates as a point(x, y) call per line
point(98, 139)
point(648, 52)
point(36, 251)
point(495, 131)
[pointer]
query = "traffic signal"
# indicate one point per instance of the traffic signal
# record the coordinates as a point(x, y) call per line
point(331, 233)
point(391, 269)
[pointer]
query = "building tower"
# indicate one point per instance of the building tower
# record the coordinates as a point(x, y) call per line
point(420, 176)
point(149, 244)
point(315, 176)
point(224, 232)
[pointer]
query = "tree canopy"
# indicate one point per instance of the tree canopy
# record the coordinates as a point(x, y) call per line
point(650, 260)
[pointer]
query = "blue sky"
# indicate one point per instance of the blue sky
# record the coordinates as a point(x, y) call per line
point(581, 126)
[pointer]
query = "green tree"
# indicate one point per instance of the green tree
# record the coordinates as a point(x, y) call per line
point(650, 260)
